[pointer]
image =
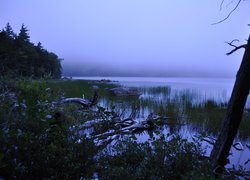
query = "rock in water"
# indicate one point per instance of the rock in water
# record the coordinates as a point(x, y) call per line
point(125, 91)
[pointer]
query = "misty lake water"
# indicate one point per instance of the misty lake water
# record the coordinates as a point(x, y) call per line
point(193, 106)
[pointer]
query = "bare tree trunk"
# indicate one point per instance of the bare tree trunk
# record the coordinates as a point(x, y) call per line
point(234, 113)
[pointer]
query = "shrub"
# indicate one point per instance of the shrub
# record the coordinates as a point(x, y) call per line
point(36, 139)
point(156, 159)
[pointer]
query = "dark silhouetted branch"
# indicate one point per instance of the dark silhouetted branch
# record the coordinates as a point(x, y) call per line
point(229, 14)
point(236, 48)
point(231, 43)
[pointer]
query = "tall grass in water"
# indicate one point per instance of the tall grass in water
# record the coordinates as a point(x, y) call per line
point(185, 106)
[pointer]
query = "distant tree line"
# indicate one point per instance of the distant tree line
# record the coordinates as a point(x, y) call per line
point(21, 58)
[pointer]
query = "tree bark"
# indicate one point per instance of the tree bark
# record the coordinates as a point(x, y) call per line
point(233, 114)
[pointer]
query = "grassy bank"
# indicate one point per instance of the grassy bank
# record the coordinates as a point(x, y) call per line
point(78, 88)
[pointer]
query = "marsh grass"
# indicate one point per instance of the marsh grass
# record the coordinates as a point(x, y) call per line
point(183, 106)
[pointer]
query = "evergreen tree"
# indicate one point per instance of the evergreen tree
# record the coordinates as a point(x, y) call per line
point(39, 46)
point(9, 31)
point(7, 51)
point(20, 57)
point(23, 36)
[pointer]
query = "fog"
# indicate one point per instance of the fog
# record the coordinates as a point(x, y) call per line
point(134, 37)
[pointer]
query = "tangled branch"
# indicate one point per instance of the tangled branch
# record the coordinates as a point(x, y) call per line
point(229, 14)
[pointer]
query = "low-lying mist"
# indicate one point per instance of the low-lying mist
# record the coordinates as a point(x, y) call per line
point(146, 70)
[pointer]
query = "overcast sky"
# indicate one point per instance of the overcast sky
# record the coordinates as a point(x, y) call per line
point(134, 37)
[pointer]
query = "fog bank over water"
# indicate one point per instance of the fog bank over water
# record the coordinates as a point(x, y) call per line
point(144, 70)
point(134, 38)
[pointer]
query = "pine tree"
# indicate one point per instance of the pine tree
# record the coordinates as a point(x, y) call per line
point(23, 36)
point(39, 46)
point(9, 31)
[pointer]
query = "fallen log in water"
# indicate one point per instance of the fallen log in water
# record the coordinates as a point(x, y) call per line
point(119, 127)
point(126, 126)
point(81, 101)
point(84, 102)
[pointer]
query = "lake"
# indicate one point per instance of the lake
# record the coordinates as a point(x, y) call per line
point(193, 106)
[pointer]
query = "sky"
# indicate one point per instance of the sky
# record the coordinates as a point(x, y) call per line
point(134, 37)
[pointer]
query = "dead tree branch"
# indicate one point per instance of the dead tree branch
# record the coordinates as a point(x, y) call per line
point(221, 4)
point(236, 48)
point(84, 102)
point(229, 14)
point(81, 101)
point(231, 43)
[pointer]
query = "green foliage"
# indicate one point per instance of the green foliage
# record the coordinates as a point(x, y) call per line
point(21, 58)
point(36, 138)
point(156, 159)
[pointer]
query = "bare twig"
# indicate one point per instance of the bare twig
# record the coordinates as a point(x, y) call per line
point(230, 3)
point(221, 4)
point(236, 48)
point(229, 14)
point(231, 43)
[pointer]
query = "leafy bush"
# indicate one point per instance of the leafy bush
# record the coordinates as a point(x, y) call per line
point(156, 159)
point(36, 140)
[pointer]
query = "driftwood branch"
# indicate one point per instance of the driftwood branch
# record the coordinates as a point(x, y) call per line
point(236, 48)
point(209, 140)
point(84, 102)
point(123, 127)
point(81, 101)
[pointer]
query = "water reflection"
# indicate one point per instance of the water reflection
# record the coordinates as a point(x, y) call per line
point(190, 107)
